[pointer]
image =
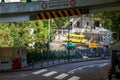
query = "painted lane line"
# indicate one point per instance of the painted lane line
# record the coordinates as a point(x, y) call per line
point(21, 75)
point(24, 75)
point(76, 69)
point(61, 76)
point(74, 78)
point(101, 65)
point(50, 73)
point(91, 65)
point(9, 76)
point(39, 71)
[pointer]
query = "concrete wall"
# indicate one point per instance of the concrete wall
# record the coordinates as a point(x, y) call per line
point(7, 54)
point(5, 64)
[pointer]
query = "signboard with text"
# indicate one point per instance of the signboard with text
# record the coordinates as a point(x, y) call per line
point(58, 4)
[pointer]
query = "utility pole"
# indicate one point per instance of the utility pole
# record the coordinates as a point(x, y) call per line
point(48, 42)
point(70, 24)
point(48, 34)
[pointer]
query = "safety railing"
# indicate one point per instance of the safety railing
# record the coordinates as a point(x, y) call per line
point(52, 58)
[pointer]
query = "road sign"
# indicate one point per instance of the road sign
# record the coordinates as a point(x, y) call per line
point(44, 5)
point(72, 2)
point(59, 13)
point(70, 45)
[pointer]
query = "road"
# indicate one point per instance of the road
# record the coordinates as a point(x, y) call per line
point(87, 70)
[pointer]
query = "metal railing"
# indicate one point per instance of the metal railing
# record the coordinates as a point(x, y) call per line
point(47, 59)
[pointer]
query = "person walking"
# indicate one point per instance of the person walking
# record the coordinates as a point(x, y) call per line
point(110, 73)
point(117, 72)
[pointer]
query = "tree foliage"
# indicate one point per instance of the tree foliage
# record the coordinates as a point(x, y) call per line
point(18, 33)
point(111, 20)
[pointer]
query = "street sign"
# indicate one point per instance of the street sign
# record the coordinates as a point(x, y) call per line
point(73, 2)
point(70, 45)
point(44, 5)
point(48, 5)
point(58, 13)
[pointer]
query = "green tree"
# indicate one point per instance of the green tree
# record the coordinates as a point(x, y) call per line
point(5, 39)
point(111, 20)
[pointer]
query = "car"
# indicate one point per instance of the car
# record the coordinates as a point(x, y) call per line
point(102, 56)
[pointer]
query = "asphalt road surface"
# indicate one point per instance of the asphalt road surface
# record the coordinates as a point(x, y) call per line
point(88, 70)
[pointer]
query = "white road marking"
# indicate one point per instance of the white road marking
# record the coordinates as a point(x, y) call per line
point(61, 76)
point(74, 78)
point(50, 73)
point(20, 75)
point(24, 75)
point(76, 69)
point(80, 68)
point(101, 65)
point(9, 76)
point(39, 71)
point(91, 65)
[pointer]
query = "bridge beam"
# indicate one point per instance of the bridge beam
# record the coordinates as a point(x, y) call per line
point(25, 10)
point(32, 7)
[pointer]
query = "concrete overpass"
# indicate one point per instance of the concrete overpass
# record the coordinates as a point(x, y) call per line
point(14, 12)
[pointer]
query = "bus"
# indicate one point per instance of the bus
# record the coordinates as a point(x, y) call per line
point(76, 38)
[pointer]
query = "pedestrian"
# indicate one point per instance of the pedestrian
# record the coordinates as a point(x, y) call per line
point(117, 72)
point(110, 73)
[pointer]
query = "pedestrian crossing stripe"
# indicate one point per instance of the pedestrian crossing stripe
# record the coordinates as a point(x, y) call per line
point(50, 73)
point(74, 78)
point(60, 13)
point(61, 76)
point(39, 71)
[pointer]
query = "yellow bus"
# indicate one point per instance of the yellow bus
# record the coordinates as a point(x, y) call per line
point(76, 38)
